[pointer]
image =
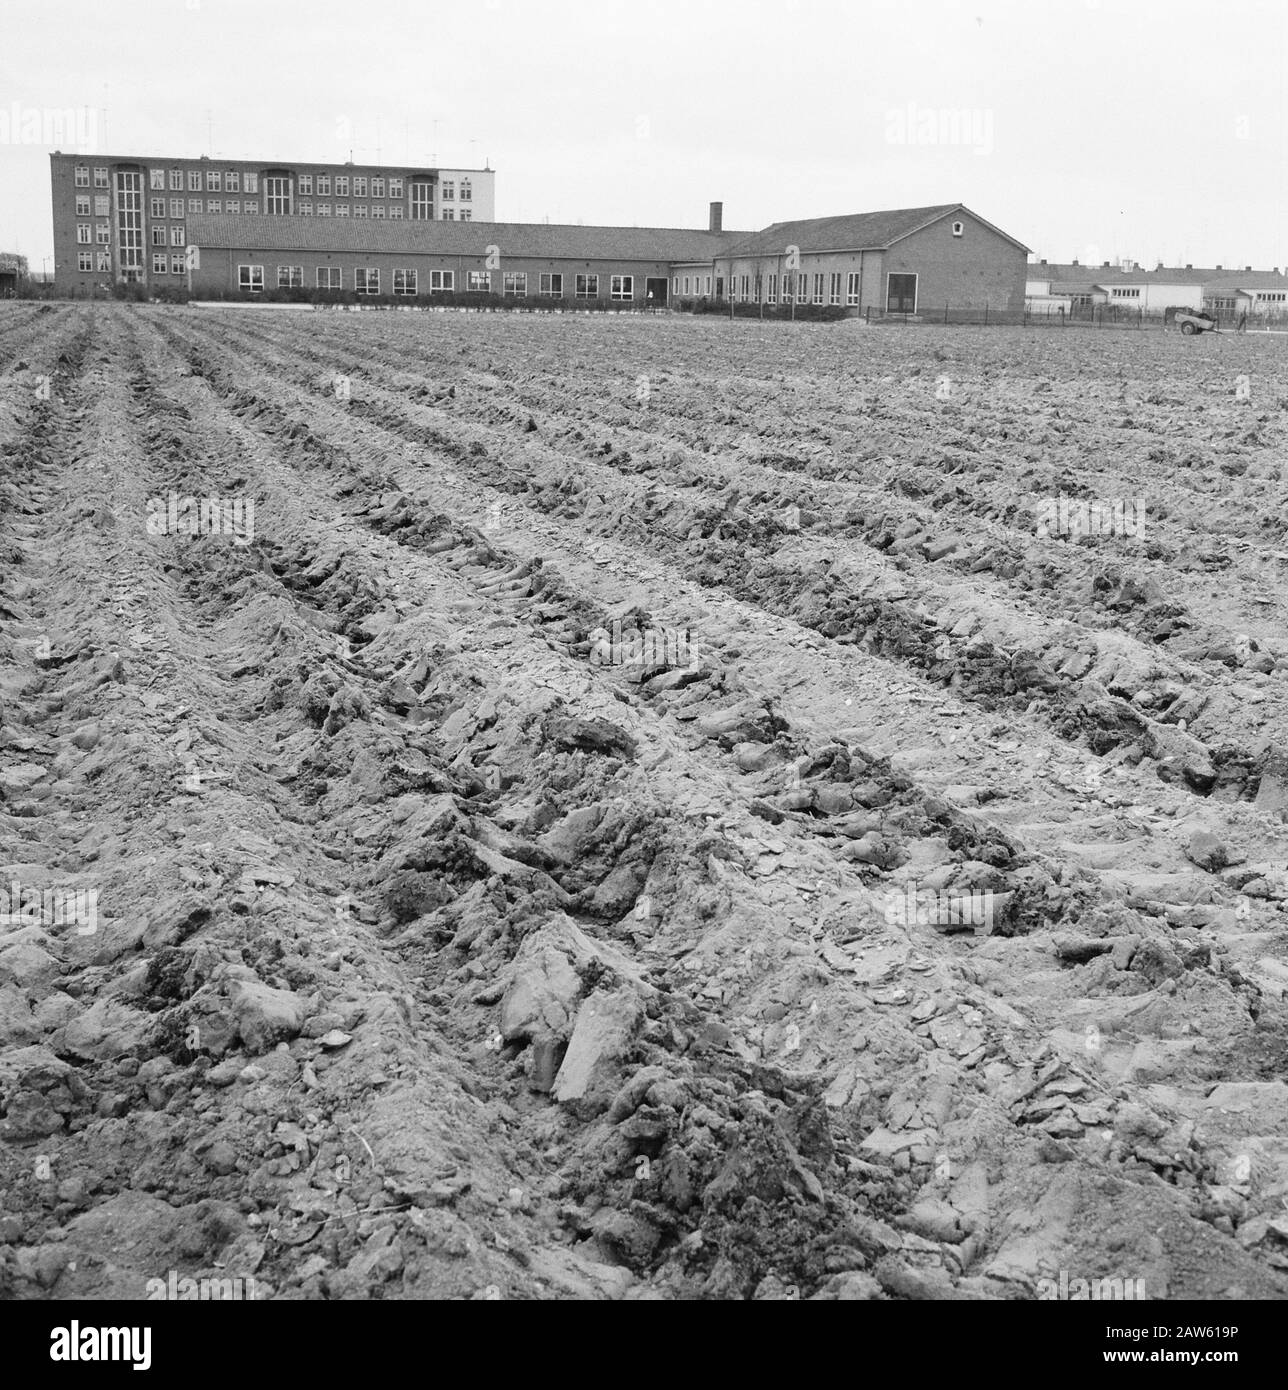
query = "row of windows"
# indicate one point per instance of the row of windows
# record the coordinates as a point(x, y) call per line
point(177, 263)
point(796, 286)
point(360, 184)
point(378, 210)
point(101, 205)
point(85, 260)
point(230, 181)
point(366, 280)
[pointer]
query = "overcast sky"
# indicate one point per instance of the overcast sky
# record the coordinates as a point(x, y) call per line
point(1086, 128)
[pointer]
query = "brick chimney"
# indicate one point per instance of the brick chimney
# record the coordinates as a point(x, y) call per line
point(714, 223)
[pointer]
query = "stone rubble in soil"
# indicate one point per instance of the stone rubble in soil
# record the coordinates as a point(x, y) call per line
point(432, 955)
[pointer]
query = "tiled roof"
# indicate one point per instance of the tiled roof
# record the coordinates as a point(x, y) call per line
point(529, 240)
point(859, 231)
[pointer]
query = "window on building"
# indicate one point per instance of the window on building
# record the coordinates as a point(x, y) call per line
point(104, 259)
point(250, 277)
point(449, 190)
point(250, 184)
point(708, 285)
point(444, 280)
point(675, 284)
point(177, 263)
point(194, 205)
point(758, 289)
point(277, 196)
point(324, 209)
point(83, 233)
point(329, 277)
point(342, 209)
point(901, 294)
point(100, 178)
point(818, 287)
point(551, 286)
point(422, 200)
point(251, 205)
point(157, 207)
point(102, 205)
point(176, 236)
point(176, 207)
point(958, 228)
point(342, 185)
point(771, 289)
point(306, 209)
point(378, 210)
point(232, 205)
point(290, 277)
point(586, 287)
point(359, 186)
point(306, 185)
point(516, 283)
point(621, 287)
point(176, 180)
point(160, 263)
point(366, 280)
point(467, 214)
point(82, 176)
point(404, 282)
point(84, 260)
point(466, 191)
point(359, 209)
point(395, 212)
point(103, 233)
point(377, 188)
point(688, 281)
point(395, 188)
point(745, 288)
point(214, 205)
point(156, 179)
point(480, 280)
point(82, 205)
point(158, 234)
point(194, 180)
point(834, 289)
point(324, 185)
point(449, 215)
point(852, 287)
point(214, 182)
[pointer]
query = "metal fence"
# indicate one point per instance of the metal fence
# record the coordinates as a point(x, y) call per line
point(1080, 316)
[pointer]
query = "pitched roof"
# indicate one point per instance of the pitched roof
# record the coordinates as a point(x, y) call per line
point(858, 231)
point(535, 240)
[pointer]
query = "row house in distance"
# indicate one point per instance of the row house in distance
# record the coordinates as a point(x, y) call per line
point(126, 218)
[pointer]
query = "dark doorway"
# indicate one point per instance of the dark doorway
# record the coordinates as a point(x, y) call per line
point(901, 294)
point(655, 291)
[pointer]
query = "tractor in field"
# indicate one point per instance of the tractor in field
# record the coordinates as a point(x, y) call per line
point(1190, 321)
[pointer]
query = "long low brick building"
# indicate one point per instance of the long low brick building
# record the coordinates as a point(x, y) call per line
point(519, 259)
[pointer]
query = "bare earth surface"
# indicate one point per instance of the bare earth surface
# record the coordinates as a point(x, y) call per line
point(433, 959)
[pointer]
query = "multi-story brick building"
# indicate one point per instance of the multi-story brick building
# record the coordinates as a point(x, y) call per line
point(125, 218)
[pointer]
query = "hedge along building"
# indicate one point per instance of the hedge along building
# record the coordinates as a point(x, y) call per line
point(908, 260)
point(522, 260)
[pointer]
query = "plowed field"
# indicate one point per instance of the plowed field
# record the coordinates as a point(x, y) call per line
point(494, 862)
